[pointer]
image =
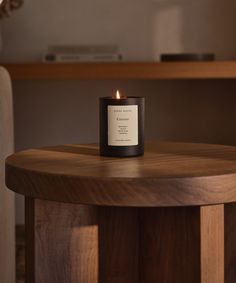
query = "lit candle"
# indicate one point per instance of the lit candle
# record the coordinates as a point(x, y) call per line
point(117, 94)
point(121, 126)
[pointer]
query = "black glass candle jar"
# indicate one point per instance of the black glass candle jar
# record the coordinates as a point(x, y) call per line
point(121, 126)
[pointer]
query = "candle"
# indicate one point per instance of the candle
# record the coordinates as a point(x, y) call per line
point(121, 126)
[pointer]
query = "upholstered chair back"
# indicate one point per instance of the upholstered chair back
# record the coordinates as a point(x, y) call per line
point(7, 210)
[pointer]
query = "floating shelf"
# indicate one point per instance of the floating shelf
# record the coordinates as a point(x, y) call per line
point(124, 70)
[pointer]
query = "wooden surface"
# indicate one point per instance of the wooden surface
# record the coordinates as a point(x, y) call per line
point(66, 243)
point(87, 244)
point(82, 244)
point(182, 245)
point(230, 243)
point(123, 70)
point(169, 174)
point(170, 245)
point(212, 244)
point(77, 243)
point(118, 245)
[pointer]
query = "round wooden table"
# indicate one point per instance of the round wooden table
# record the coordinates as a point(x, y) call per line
point(165, 217)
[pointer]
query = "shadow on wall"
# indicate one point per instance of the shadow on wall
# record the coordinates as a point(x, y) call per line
point(195, 26)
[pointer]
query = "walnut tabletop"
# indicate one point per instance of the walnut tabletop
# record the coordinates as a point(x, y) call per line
point(169, 174)
point(166, 217)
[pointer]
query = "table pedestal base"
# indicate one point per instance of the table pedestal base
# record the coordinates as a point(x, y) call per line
point(70, 243)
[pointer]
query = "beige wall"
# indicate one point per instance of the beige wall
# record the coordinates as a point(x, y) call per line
point(142, 28)
point(66, 112)
point(195, 26)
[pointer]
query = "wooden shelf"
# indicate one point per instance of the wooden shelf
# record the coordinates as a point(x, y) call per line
point(124, 70)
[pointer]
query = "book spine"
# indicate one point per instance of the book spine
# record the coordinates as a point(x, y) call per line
point(60, 58)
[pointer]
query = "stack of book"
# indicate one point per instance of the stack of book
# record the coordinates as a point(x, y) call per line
point(82, 53)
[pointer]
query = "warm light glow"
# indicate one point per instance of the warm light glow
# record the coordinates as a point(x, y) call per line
point(117, 94)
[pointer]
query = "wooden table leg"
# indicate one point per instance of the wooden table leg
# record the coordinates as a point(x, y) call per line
point(118, 245)
point(230, 243)
point(182, 245)
point(169, 245)
point(70, 243)
point(65, 248)
point(212, 244)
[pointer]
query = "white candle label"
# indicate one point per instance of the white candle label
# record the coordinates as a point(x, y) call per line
point(122, 125)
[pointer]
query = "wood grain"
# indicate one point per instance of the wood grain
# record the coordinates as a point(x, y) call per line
point(230, 243)
point(81, 244)
point(75, 243)
point(118, 245)
point(212, 244)
point(66, 243)
point(84, 244)
point(182, 245)
point(124, 70)
point(170, 245)
point(169, 174)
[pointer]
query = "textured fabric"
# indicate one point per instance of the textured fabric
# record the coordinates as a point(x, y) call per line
point(7, 217)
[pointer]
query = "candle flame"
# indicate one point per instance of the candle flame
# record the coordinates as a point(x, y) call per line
point(117, 94)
